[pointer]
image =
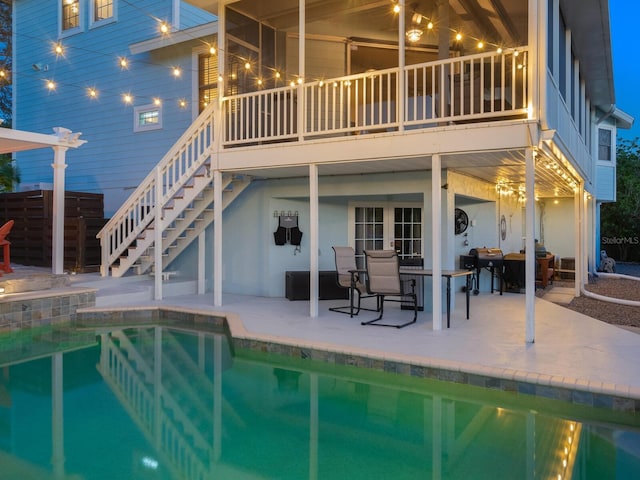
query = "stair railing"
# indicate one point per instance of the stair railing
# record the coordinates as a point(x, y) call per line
point(185, 157)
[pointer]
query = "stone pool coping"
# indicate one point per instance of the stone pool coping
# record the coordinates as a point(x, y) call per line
point(573, 390)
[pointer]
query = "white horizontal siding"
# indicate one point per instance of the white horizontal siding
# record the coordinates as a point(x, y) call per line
point(606, 183)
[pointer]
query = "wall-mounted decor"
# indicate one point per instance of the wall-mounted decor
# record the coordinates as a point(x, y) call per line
point(288, 230)
point(462, 221)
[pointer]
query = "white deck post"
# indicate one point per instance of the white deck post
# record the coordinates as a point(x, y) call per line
point(313, 240)
point(302, 28)
point(57, 249)
point(401, 66)
point(578, 233)
point(201, 263)
point(217, 238)
point(436, 242)
point(157, 241)
point(530, 257)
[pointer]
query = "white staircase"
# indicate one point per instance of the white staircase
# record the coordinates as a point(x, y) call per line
point(177, 197)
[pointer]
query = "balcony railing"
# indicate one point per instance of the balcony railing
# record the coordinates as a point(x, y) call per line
point(481, 87)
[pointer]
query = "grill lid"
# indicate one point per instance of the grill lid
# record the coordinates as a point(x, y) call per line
point(486, 257)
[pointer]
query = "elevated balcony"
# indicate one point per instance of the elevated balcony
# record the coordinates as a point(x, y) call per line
point(486, 87)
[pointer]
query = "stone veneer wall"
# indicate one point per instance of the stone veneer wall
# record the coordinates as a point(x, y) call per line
point(27, 310)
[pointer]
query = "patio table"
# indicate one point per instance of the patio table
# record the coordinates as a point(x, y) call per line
point(448, 274)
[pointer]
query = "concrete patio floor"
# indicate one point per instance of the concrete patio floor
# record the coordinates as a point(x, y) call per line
point(571, 350)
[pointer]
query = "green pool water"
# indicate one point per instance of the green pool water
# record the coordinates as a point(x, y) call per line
point(164, 402)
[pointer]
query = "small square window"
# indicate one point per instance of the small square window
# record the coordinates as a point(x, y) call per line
point(147, 117)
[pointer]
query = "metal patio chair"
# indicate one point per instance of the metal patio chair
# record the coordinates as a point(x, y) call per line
point(383, 279)
point(348, 276)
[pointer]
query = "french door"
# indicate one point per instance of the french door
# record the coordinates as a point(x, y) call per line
point(386, 227)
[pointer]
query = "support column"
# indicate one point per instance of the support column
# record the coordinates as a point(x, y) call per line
point(577, 234)
point(436, 240)
point(401, 63)
point(302, 28)
point(313, 240)
point(585, 237)
point(57, 253)
point(157, 242)
point(530, 257)
point(217, 238)
point(201, 263)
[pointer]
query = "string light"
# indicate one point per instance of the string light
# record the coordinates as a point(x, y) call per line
point(157, 102)
point(127, 98)
point(182, 103)
point(165, 28)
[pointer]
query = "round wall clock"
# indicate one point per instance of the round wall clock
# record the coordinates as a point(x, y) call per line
point(462, 221)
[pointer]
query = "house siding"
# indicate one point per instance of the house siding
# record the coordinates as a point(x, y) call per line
point(606, 184)
point(115, 159)
point(191, 16)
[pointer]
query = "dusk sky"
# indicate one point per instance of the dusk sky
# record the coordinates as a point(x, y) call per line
point(625, 15)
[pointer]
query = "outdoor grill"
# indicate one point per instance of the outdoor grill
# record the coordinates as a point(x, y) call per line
point(490, 259)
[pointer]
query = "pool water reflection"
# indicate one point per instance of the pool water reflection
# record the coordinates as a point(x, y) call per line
point(164, 402)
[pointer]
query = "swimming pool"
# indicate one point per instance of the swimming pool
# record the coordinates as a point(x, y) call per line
point(165, 402)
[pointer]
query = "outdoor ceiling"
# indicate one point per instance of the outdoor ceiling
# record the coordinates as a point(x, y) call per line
point(500, 21)
point(507, 167)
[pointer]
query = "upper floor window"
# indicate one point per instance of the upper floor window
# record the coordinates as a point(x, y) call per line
point(70, 15)
point(604, 144)
point(102, 10)
point(207, 79)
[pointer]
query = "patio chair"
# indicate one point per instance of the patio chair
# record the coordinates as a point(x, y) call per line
point(348, 276)
point(383, 280)
point(6, 247)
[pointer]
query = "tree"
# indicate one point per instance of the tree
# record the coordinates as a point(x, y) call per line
point(9, 174)
point(6, 53)
point(621, 220)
